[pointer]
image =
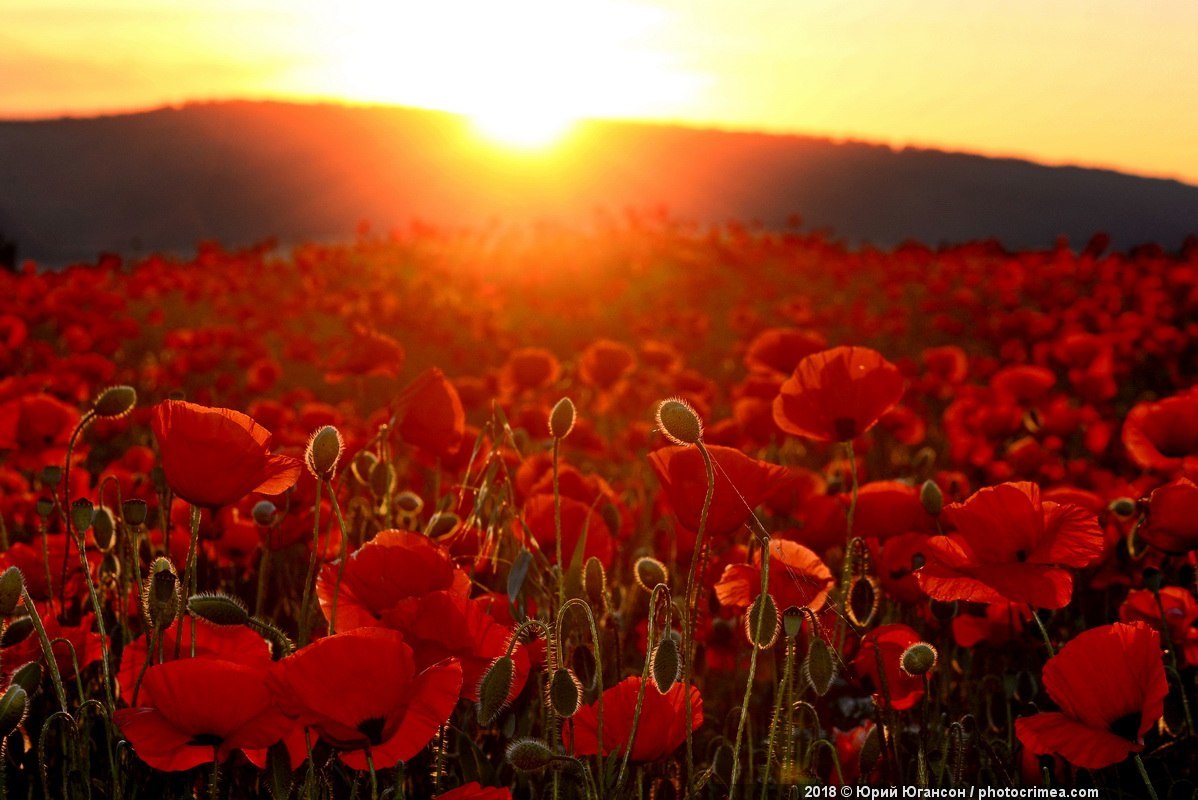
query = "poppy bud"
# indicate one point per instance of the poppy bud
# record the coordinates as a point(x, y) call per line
point(442, 523)
point(1153, 579)
point(82, 514)
point(931, 497)
point(44, 506)
point(16, 631)
point(923, 460)
point(1123, 507)
point(115, 402)
point(665, 665)
point(28, 676)
point(161, 594)
point(594, 583)
point(134, 511)
point(104, 528)
point(561, 420)
point(382, 479)
point(650, 572)
point(13, 706)
point(792, 621)
point(264, 513)
point(363, 465)
point(494, 689)
point(219, 609)
point(12, 585)
point(819, 667)
point(530, 755)
point(762, 623)
point(919, 659)
point(323, 452)
point(863, 600)
point(565, 692)
point(871, 751)
point(51, 474)
point(679, 422)
point(110, 565)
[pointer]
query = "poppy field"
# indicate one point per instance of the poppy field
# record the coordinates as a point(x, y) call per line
point(651, 510)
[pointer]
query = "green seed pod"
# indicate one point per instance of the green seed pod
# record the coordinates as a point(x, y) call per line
point(442, 523)
point(44, 507)
point(649, 572)
point(1123, 507)
point(871, 751)
point(12, 584)
point(115, 402)
point(594, 585)
point(819, 667)
point(494, 688)
point(134, 511)
point(82, 514)
point(363, 465)
point(162, 594)
point(530, 755)
point(561, 419)
point(762, 622)
point(792, 621)
point(665, 665)
point(28, 676)
point(323, 452)
point(382, 479)
point(104, 529)
point(679, 422)
point(863, 601)
point(13, 706)
point(265, 513)
point(931, 497)
point(918, 659)
point(51, 474)
point(565, 692)
point(219, 609)
point(409, 502)
point(17, 631)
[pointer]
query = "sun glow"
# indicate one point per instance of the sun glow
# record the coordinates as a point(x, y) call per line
point(522, 71)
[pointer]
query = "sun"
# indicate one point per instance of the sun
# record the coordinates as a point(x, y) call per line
point(522, 128)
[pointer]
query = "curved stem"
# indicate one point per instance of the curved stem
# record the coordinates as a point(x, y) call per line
point(1144, 776)
point(691, 612)
point(310, 577)
point(557, 527)
point(344, 556)
point(47, 649)
point(650, 640)
point(84, 421)
point(579, 603)
point(758, 636)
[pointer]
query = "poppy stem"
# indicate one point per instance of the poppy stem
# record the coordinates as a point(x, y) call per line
point(214, 780)
point(1044, 633)
point(84, 421)
point(342, 558)
point(374, 781)
point(47, 648)
point(307, 598)
point(189, 580)
point(46, 557)
point(640, 692)
point(579, 603)
point(263, 572)
point(758, 636)
point(1144, 776)
point(557, 527)
point(692, 609)
point(845, 571)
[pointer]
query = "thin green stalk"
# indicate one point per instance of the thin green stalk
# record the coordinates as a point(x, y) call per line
point(758, 636)
point(189, 580)
point(47, 649)
point(64, 508)
point(263, 573)
point(1144, 776)
point(374, 781)
point(557, 527)
point(578, 602)
point(344, 556)
point(311, 576)
point(650, 640)
point(691, 610)
point(1044, 634)
point(214, 780)
point(99, 608)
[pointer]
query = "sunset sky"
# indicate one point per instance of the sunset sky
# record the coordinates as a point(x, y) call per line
point(1090, 82)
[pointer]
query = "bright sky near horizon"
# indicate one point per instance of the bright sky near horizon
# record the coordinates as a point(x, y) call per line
point(1108, 83)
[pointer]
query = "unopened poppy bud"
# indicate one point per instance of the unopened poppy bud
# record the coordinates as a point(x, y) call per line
point(44, 507)
point(864, 598)
point(1154, 579)
point(82, 514)
point(104, 528)
point(51, 474)
point(871, 751)
point(931, 497)
point(16, 631)
point(679, 422)
point(13, 706)
point(28, 676)
point(409, 502)
point(650, 572)
point(219, 609)
point(923, 460)
point(161, 595)
point(919, 659)
point(792, 621)
point(594, 584)
point(323, 453)
point(363, 465)
point(442, 523)
point(530, 755)
point(494, 689)
point(565, 692)
point(264, 513)
point(762, 623)
point(665, 665)
point(561, 419)
point(382, 479)
point(1123, 507)
point(134, 511)
point(12, 585)
point(819, 667)
point(115, 402)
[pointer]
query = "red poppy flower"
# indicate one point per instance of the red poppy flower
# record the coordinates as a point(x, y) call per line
point(363, 353)
point(1010, 545)
point(885, 644)
point(604, 362)
point(36, 427)
point(216, 456)
point(221, 642)
point(779, 350)
point(886, 509)
point(476, 791)
point(84, 642)
point(432, 415)
point(361, 689)
point(1173, 517)
point(528, 369)
point(998, 623)
point(1163, 436)
point(837, 395)
point(199, 709)
point(1180, 614)
point(662, 724)
point(576, 516)
point(1110, 685)
point(741, 484)
point(797, 578)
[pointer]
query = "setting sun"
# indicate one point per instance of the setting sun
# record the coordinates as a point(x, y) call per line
point(522, 128)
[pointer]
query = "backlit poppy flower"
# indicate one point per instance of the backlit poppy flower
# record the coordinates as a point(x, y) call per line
point(882, 649)
point(1110, 685)
point(361, 690)
point(779, 350)
point(996, 624)
point(604, 362)
point(848, 751)
point(1010, 545)
point(365, 353)
point(1180, 614)
point(36, 427)
point(797, 578)
point(432, 417)
point(576, 517)
point(662, 724)
point(84, 642)
point(1163, 436)
point(529, 369)
point(1172, 524)
point(838, 394)
point(221, 642)
point(195, 710)
point(886, 509)
point(216, 456)
point(741, 484)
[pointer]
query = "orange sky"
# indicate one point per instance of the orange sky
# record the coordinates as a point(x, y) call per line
point(1091, 82)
